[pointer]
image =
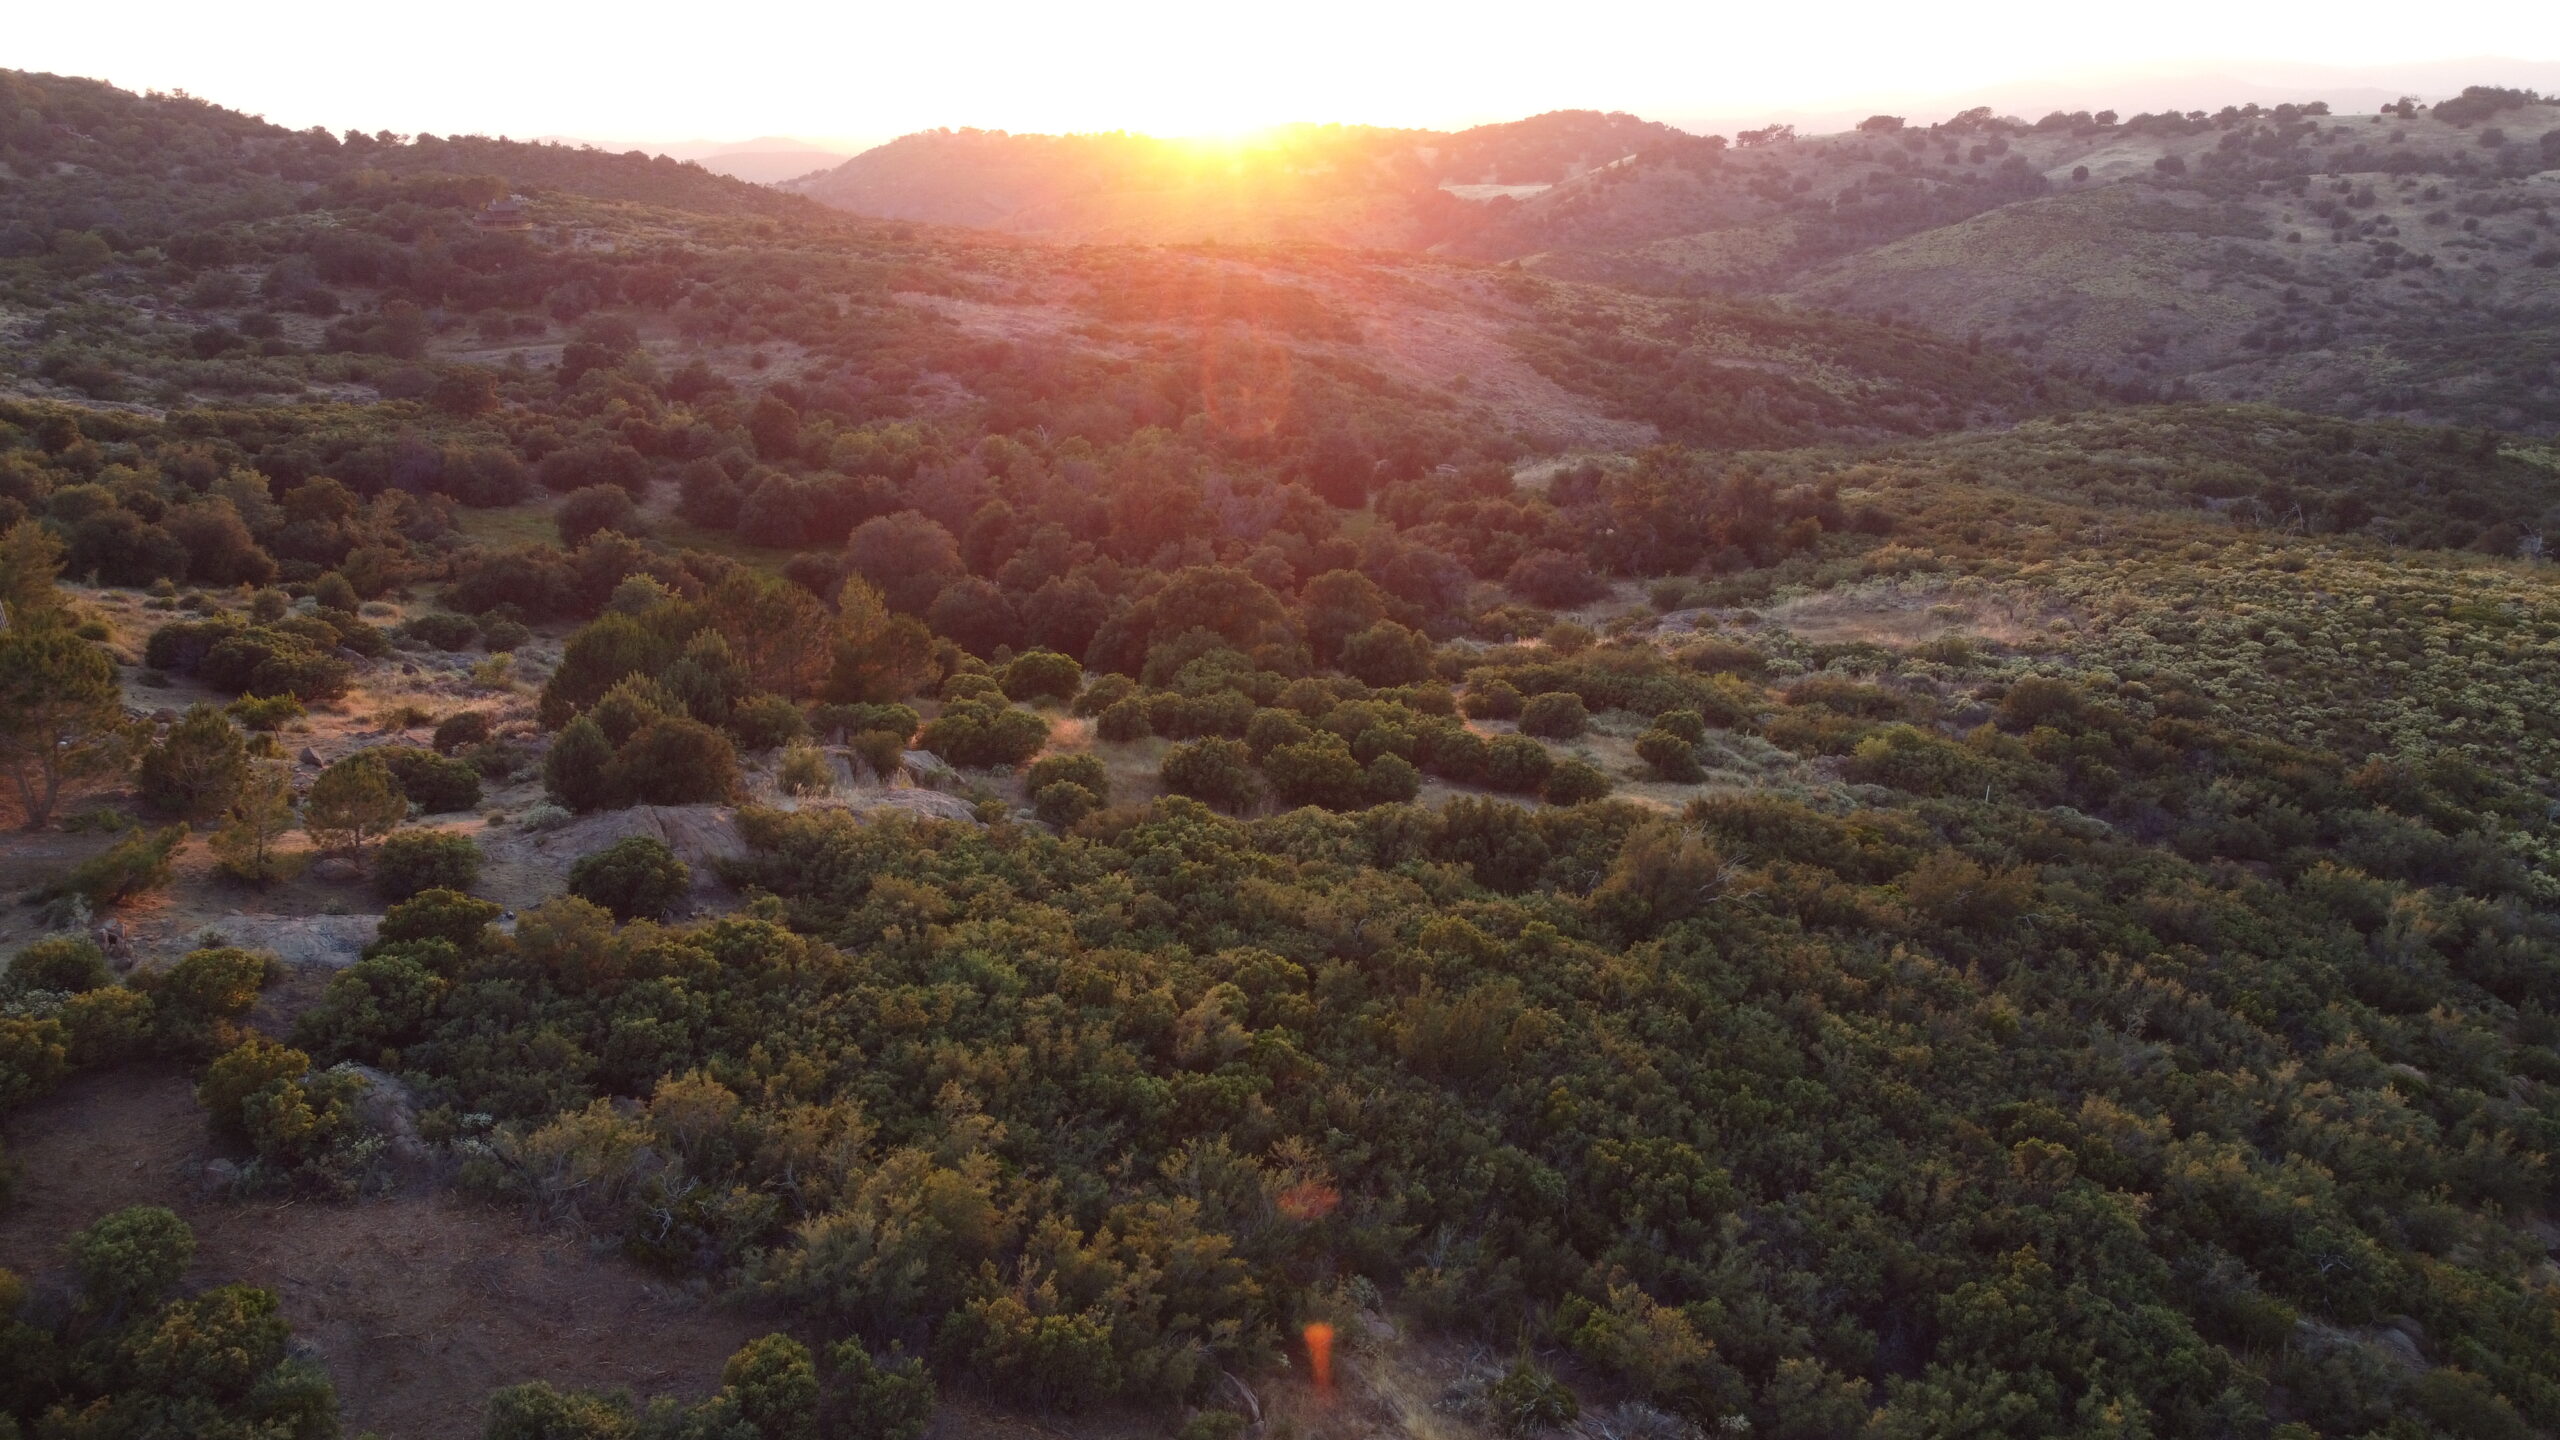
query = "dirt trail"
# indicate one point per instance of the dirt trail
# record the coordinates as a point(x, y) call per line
point(418, 1304)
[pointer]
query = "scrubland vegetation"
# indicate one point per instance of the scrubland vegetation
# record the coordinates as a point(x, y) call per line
point(1857, 919)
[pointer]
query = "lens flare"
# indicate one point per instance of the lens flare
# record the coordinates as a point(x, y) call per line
point(1320, 1356)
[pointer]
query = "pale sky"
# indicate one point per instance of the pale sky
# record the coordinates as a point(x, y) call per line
point(650, 71)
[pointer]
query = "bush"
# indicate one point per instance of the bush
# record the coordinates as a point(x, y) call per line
point(1689, 725)
point(443, 630)
point(130, 867)
point(805, 770)
point(1042, 675)
point(1085, 771)
point(61, 962)
point(885, 751)
point(354, 802)
point(637, 879)
point(1516, 762)
point(1554, 715)
point(1063, 802)
point(1491, 699)
point(434, 783)
point(1125, 720)
point(981, 733)
point(1555, 579)
point(1104, 693)
point(1575, 782)
point(132, 1258)
point(765, 722)
point(1672, 756)
point(674, 762)
point(1387, 653)
point(1529, 1401)
point(1217, 771)
point(899, 720)
point(195, 770)
point(413, 860)
point(265, 712)
point(499, 635)
point(460, 729)
point(578, 768)
point(594, 509)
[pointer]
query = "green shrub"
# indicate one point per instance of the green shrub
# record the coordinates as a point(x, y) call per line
point(355, 802)
point(1218, 771)
point(885, 751)
point(805, 770)
point(674, 762)
point(1554, 715)
point(1673, 757)
point(1689, 725)
point(578, 768)
point(1516, 763)
point(500, 635)
point(459, 729)
point(436, 784)
point(1103, 693)
point(61, 962)
point(977, 732)
point(1575, 782)
point(217, 983)
point(409, 861)
point(1529, 1401)
point(195, 770)
point(1082, 770)
point(1125, 720)
point(1063, 802)
point(265, 712)
point(132, 866)
point(1042, 675)
point(766, 722)
point(1491, 699)
point(131, 1258)
point(899, 720)
point(443, 630)
point(637, 878)
point(970, 685)
point(107, 1025)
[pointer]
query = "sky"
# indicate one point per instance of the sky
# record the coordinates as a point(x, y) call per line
point(853, 73)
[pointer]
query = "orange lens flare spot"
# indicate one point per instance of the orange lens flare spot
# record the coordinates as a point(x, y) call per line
point(1308, 1200)
point(1320, 1355)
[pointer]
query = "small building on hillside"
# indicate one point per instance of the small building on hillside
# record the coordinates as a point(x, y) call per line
point(510, 213)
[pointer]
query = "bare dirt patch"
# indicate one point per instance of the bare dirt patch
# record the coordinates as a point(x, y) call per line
point(418, 1304)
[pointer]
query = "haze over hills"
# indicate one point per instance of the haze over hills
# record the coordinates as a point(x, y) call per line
point(2284, 252)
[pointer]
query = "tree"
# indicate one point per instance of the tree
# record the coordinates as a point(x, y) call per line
point(675, 761)
point(1387, 653)
point(908, 556)
point(353, 803)
point(780, 633)
point(1554, 715)
point(595, 508)
point(638, 878)
point(131, 1258)
point(577, 770)
point(61, 716)
point(878, 1399)
point(261, 813)
point(196, 770)
point(30, 558)
point(414, 860)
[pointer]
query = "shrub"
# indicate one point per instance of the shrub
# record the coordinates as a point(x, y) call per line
point(900, 720)
point(131, 1258)
point(443, 630)
point(195, 770)
point(981, 733)
point(461, 728)
point(1689, 725)
point(1528, 1401)
point(1218, 771)
point(674, 762)
point(1042, 675)
point(1554, 578)
point(637, 879)
point(1491, 699)
point(805, 770)
point(885, 751)
point(1082, 770)
point(1554, 715)
point(1391, 780)
point(130, 867)
point(434, 783)
point(1063, 802)
point(1516, 762)
point(1575, 782)
point(1387, 653)
point(61, 962)
point(578, 768)
point(594, 509)
point(1104, 693)
point(1125, 720)
point(108, 1024)
point(1672, 756)
point(217, 983)
point(499, 635)
point(354, 803)
point(1317, 771)
point(764, 722)
point(243, 1071)
point(413, 860)
point(265, 712)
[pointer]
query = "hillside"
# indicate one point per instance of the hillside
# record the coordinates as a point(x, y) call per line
point(1338, 184)
point(682, 814)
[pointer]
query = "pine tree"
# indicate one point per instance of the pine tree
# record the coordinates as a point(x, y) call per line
point(261, 815)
